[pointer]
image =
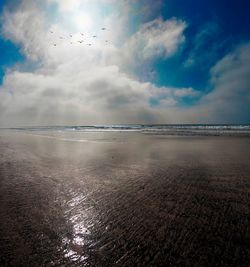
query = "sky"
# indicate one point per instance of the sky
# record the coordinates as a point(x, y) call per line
point(148, 62)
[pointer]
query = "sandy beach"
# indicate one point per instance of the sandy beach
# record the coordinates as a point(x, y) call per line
point(124, 199)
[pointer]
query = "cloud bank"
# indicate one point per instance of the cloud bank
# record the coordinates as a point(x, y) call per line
point(79, 84)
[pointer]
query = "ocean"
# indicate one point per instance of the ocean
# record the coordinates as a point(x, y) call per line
point(167, 129)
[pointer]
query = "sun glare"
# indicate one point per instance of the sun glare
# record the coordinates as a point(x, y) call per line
point(83, 21)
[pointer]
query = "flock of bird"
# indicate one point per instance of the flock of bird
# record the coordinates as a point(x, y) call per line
point(79, 41)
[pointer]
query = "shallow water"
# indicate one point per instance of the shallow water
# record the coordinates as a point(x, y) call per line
point(123, 199)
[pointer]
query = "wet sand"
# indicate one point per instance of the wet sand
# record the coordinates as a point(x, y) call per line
point(124, 199)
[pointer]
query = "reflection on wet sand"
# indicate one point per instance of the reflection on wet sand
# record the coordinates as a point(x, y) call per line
point(123, 200)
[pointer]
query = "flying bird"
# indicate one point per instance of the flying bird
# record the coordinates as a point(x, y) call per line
point(94, 36)
point(71, 35)
point(51, 32)
point(82, 34)
point(80, 42)
point(103, 29)
point(89, 44)
point(54, 44)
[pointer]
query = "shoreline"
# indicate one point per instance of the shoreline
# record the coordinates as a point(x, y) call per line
point(124, 199)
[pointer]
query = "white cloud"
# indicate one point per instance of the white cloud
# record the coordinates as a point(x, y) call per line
point(103, 96)
point(230, 77)
point(77, 84)
point(154, 39)
point(25, 27)
point(67, 5)
point(229, 99)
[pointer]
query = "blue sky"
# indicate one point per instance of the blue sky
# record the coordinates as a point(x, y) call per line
point(214, 28)
point(181, 68)
point(10, 53)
